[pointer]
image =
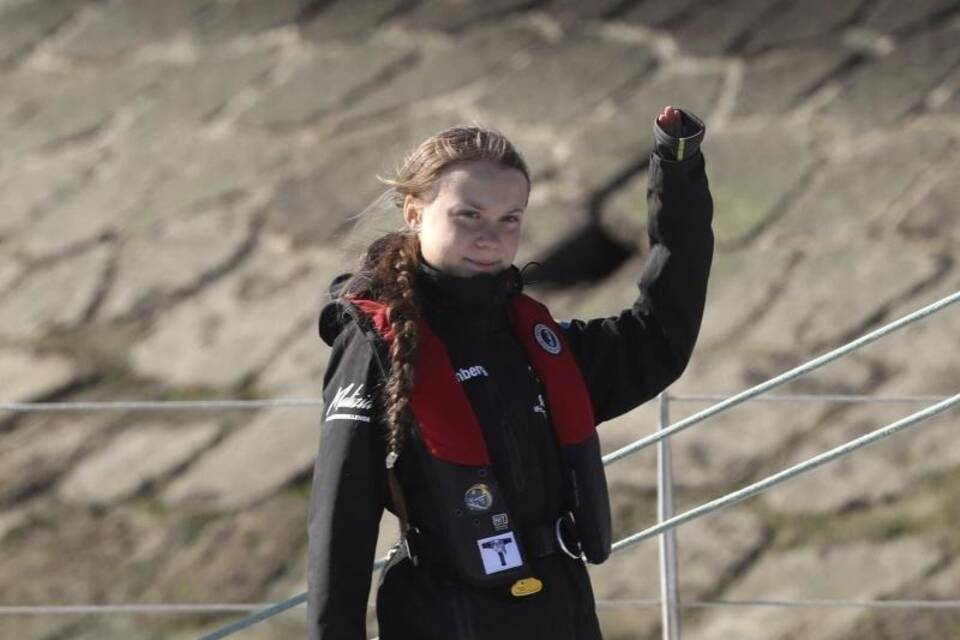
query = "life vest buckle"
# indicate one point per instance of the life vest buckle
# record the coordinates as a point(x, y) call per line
point(566, 527)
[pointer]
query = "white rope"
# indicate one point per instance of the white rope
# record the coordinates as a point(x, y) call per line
point(783, 476)
point(173, 405)
point(786, 604)
point(160, 405)
point(813, 397)
point(763, 387)
point(131, 609)
point(626, 603)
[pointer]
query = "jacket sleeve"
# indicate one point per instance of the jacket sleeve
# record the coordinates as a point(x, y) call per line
point(348, 493)
point(629, 358)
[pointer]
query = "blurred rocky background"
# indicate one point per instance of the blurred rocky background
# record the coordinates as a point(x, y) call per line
point(176, 179)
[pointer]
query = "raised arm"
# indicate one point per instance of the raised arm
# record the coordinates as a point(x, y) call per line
point(629, 358)
point(348, 494)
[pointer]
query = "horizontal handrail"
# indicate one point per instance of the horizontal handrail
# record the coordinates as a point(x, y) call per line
point(778, 478)
point(783, 378)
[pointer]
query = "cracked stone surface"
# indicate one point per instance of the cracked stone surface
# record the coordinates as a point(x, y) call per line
point(878, 275)
point(862, 185)
point(453, 15)
point(179, 182)
point(801, 21)
point(36, 455)
point(861, 571)
point(70, 564)
point(894, 85)
point(893, 16)
point(219, 339)
point(28, 191)
point(743, 284)
point(53, 109)
point(880, 472)
point(311, 208)
point(714, 28)
point(175, 254)
point(776, 82)
point(599, 151)
point(709, 550)
point(732, 446)
point(931, 218)
point(251, 464)
point(24, 25)
point(658, 14)
point(139, 455)
point(120, 28)
point(751, 174)
point(933, 624)
point(447, 65)
point(341, 74)
point(10, 269)
point(10, 521)
point(265, 533)
point(197, 92)
point(298, 365)
point(556, 215)
point(29, 376)
point(56, 296)
point(562, 79)
point(346, 20)
point(896, 464)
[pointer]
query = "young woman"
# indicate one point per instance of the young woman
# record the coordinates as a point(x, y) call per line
point(456, 401)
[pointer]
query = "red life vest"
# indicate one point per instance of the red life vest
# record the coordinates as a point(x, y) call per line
point(439, 401)
point(482, 546)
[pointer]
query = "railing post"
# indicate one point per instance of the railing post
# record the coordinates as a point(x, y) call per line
point(668, 539)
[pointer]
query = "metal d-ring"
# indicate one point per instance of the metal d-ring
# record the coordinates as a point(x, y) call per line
point(563, 546)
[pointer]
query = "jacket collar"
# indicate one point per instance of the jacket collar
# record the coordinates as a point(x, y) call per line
point(477, 302)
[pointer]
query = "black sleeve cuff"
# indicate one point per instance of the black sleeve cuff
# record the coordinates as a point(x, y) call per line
point(687, 145)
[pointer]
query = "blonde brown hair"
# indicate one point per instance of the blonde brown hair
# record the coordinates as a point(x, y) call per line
point(390, 262)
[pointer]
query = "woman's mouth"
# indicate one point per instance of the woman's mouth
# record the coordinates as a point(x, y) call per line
point(482, 265)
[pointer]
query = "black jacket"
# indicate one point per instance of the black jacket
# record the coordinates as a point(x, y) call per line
point(625, 360)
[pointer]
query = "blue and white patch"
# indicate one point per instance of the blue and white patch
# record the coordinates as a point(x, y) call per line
point(478, 498)
point(499, 553)
point(547, 339)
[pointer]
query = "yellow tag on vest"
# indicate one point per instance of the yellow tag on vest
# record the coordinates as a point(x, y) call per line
point(526, 587)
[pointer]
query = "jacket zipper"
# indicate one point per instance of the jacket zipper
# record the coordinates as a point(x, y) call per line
point(516, 458)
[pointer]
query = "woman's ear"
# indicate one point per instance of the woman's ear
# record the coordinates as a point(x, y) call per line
point(412, 212)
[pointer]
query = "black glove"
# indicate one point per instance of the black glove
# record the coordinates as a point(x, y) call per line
point(679, 144)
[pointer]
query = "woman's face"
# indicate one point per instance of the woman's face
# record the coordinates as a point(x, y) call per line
point(472, 224)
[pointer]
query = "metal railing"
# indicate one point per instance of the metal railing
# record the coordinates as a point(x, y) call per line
point(665, 529)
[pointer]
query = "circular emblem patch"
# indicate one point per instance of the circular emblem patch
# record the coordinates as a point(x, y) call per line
point(478, 498)
point(547, 339)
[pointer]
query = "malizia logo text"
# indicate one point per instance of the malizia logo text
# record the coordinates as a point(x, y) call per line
point(349, 404)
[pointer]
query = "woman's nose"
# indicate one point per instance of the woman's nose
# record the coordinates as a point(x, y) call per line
point(488, 235)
